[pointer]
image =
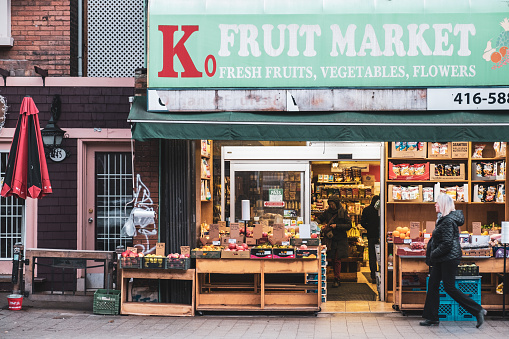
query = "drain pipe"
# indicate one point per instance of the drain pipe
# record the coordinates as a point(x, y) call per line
point(80, 38)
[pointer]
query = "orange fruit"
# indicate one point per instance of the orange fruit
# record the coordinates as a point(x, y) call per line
point(402, 235)
point(503, 50)
point(399, 229)
point(405, 229)
point(496, 57)
point(395, 234)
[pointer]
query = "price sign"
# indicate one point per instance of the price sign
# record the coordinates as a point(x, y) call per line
point(278, 231)
point(415, 228)
point(430, 226)
point(216, 242)
point(232, 241)
point(285, 243)
point(476, 228)
point(160, 246)
point(407, 241)
point(185, 250)
point(258, 231)
point(214, 231)
point(234, 230)
point(222, 226)
point(132, 249)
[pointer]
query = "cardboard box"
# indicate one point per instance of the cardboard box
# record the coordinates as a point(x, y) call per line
point(283, 253)
point(446, 155)
point(433, 176)
point(390, 197)
point(408, 153)
point(305, 241)
point(261, 253)
point(235, 254)
point(478, 177)
point(460, 150)
point(394, 176)
point(205, 254)
point(404, 251)
point(309, 253)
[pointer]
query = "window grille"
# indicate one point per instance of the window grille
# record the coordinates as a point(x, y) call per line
point(12, 217)
point(115, 37)
point(113, 190)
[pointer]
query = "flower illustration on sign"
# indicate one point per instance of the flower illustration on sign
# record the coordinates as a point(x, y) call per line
point(498, 54)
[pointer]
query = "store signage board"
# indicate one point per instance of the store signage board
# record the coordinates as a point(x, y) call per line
point(468, 98)
point(274, 204)
point(276, 194)
point(476, 228)
point(328, 46)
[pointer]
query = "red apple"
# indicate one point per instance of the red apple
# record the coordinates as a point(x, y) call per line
point(232, 246)
point(314, 235)
point(125, 254)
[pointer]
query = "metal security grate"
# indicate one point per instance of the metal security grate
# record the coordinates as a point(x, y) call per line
point(115, 37)
point(113, 190)
point(12, 220)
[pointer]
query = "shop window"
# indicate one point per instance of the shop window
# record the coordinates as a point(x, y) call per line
point(5, 23)
point(113, 191)
point(12, 220)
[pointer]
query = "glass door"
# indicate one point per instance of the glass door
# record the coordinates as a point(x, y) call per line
point(277, 192)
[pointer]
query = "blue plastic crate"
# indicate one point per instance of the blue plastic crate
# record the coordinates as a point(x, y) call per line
point(446, 311)
point(471, 287)
point(460, 314)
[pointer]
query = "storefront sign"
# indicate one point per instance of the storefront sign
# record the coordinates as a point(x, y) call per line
point(463, 44)
point(468, 98)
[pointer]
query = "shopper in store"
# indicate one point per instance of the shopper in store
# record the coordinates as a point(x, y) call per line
point(443, 254)
point(336, 223)
point(370, 220)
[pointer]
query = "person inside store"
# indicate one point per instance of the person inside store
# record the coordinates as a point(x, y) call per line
point(336, 223)
point(370, 220)
point(443, 254)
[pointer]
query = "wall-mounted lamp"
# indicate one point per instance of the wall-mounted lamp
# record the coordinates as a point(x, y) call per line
point(4, 73)
point(43, 73)
point(52, 135)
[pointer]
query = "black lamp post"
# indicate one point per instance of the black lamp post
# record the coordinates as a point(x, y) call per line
point(52, 135)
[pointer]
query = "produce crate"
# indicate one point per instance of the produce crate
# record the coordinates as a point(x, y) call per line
point(446, 310)
point(310, 253)
point(130, 262)
point(178, 263)
point(106, 301)
point(154, 262)
point(283, 253)
point(465, 271)
point(205, 254)
point(235, 254)
point(261, 253)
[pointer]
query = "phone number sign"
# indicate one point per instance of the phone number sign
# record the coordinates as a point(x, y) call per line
point(496, 98)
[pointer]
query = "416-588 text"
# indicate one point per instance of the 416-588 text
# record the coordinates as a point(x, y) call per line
point(499, 98)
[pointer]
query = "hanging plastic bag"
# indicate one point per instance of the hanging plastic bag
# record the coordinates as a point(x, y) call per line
point(128, 230)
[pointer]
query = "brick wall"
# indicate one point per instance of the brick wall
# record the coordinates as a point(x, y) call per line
point(41, 32)
point(146, 164)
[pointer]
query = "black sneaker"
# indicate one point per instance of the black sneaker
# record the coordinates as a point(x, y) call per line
point(429, 322)
point(480, 317)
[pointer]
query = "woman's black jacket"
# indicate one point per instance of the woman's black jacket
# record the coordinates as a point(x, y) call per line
point(444, 244)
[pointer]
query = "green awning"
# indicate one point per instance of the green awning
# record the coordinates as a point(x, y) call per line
point(378, 126)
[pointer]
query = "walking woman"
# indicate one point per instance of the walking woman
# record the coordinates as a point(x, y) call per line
point(443, 254)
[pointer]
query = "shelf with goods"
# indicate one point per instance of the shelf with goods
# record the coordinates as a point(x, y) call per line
point(463, 170)
point(205, 184)
point(257, 285)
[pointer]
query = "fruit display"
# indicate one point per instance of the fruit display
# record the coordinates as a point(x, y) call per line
point(154, 261)
point(401, 232)
point(178, 261)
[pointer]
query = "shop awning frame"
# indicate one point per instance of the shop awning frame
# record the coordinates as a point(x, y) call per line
point(484, 126)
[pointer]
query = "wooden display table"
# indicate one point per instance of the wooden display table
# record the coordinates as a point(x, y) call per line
point(414, 300)
point(257, 285)
point(143, 308)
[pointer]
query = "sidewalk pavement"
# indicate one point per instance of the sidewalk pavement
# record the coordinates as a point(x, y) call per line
point(46, 320)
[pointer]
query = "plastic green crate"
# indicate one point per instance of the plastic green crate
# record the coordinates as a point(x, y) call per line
point(106, 301)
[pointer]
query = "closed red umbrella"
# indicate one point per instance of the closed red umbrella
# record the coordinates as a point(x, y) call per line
point(27, 172)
